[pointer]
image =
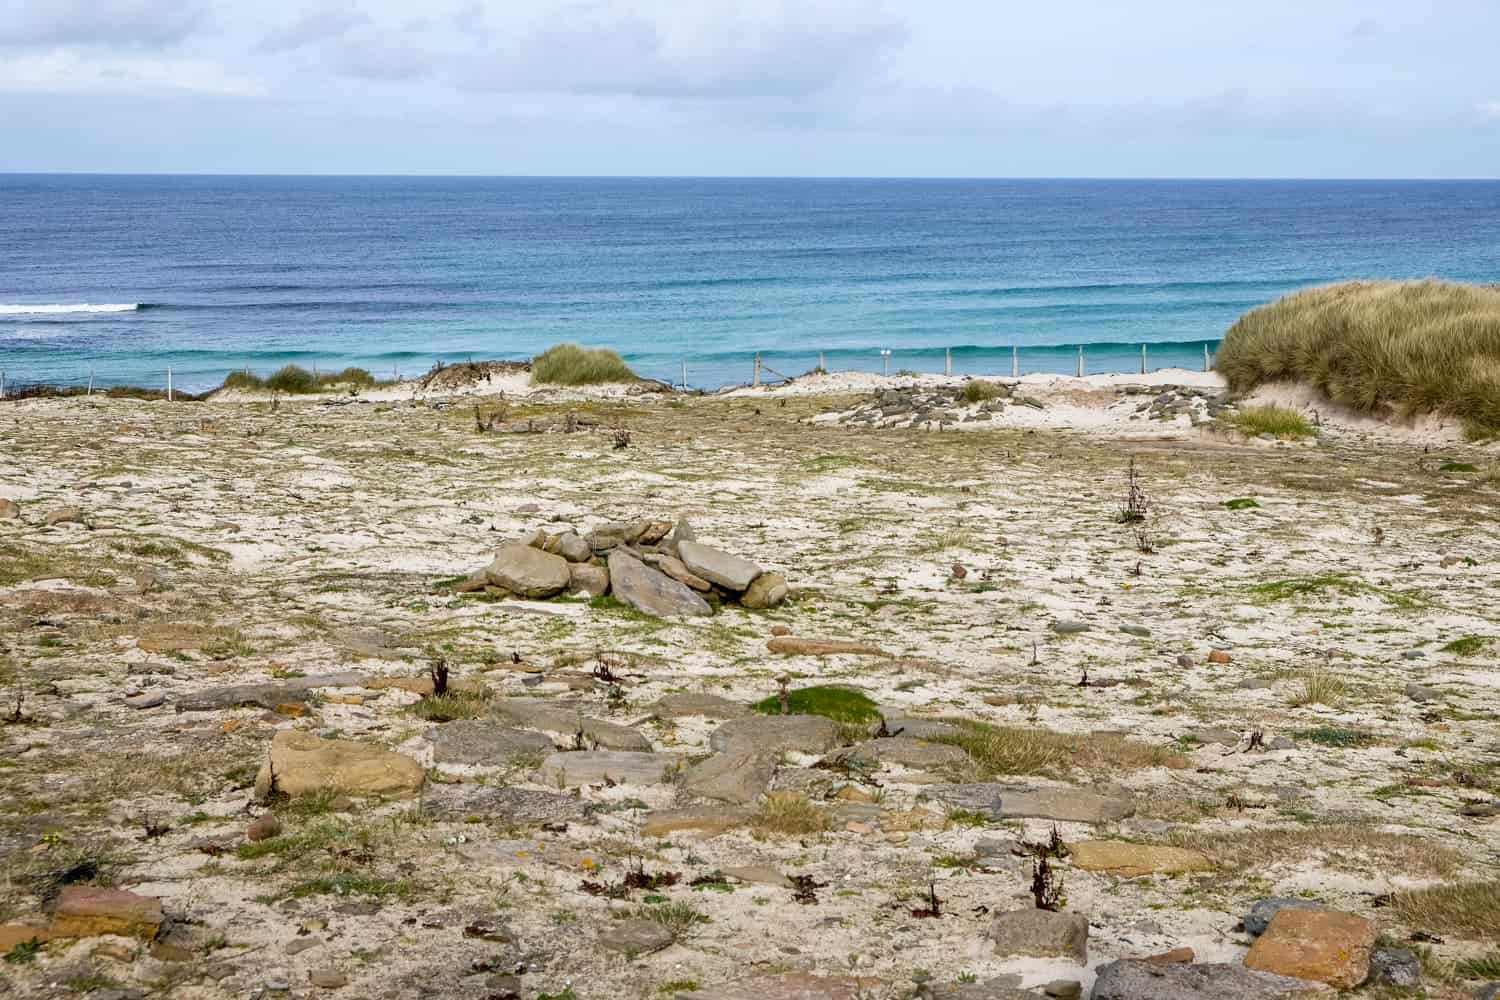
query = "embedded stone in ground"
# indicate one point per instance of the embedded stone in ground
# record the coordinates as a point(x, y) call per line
point(1005, 801)
point(773, 734)
point(735, 776)
point(566, 721)
point(591, 767)
point(1133, 979)
point(88, 911)
point(1040, 934)
point(708, 821)
point(1262, 912)
point(300, 763)
point(477, 742)
point(1323, 945)
point(789, 645)
point(908, 752)
point(688, 703)
point(634, 937)
point(1121, 858)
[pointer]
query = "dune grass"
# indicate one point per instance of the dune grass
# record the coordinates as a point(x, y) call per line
point(569, 364)
point(1277, 421)
point(978, 390)
point(294, 380)
point(1404, 346)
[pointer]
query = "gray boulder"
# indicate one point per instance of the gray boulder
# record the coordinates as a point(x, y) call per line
point(738, 776)
point(1136, 979)
point(775, 734)
point(650, 591)
point(1395, 967)
point(528, 572)
point(728, 571)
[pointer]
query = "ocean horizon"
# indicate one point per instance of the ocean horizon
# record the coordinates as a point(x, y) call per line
point(120, 277)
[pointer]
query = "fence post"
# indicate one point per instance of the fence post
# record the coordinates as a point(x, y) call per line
point(1143, 359)
point(822, 367)
point(756, 382)
point(1080, 361)
point(1207, 366)
point(684, 374)
point(1015, 362)
point(2, 384)
point(169, 385)
point(91, 382)
point(947, 361)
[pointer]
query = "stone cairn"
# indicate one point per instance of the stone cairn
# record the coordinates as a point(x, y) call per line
point(656, 567)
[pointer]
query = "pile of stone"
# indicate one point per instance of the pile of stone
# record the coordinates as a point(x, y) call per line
point(1198, 405)
point(925, 408)
point(656, 567)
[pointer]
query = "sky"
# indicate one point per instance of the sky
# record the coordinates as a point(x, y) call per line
point(945, 88)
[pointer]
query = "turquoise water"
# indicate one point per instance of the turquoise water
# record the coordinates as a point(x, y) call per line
point(127, 276)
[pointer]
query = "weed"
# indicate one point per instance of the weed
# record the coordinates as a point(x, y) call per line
point(680, 919)
point(1483, 967)
point(1241, 503)
point(24, 952)
point(1335, 736)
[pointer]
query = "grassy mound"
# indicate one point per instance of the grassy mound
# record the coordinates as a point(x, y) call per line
point(569, 364)
point(1277, 421)
point(1410, 346)
point(841, 704)
point(979, 390)
point(294, 380)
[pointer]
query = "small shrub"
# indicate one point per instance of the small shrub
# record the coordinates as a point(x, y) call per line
point(790, 813)
point(569, 364)
point(242, 380)
point(293, 380)
point(978, 390)
point(1467, 645)
point(841, 704)
point(1278, 421)
point(1241, 503)
point(678, 918)
point(1320, 687)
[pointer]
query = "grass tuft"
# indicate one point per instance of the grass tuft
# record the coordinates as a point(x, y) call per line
point(1467, 645)
point(1409, 346)
point(1031, 750)
point(789, 813)
point(569, 364)
point(1467, 908)
point(1320, 687)
point(978, 390)
point(841, 704)
point(1277, 421)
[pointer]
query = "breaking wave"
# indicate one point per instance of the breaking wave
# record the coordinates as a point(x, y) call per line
point(75, 307)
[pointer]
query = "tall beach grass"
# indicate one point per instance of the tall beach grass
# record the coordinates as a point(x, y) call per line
point(569, 364)
point(1379, 346)
point(294, 380)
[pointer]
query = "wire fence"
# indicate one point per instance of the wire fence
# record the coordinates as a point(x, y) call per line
point(688, 374)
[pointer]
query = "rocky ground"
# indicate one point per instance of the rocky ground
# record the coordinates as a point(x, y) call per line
point(266, 735)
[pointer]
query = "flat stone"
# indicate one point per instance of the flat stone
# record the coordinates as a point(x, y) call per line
point(919, 729)
point(524, 806)
point(263, 827)
point(328, 979)
point(766, 591)
point(14, 934)
point(89, 911)
point(480, 742)
point(716, 566)
point(773, 734)
point(688, 703)
point(673, 567)
point(788, 986)
point(591, 767)
point(1003, 801)
point(300, 763)
point(1040, 934)
point(1262, 912)
point(65, 515)
point(650, 591)
point(1006, 987)
point(908, 752)
point(789, 645)
point(1069, 626)
point(528, 572)
point(1322, 945)
point(566, 722)
point(1422, 693)
point(738, 776)
point(1139, 631)
point(709, 821)
point(147, 699)
point(1223, 737)
point(373, 643)
point(1122, 858)
point(271, 694)
point(589, 579)
point(1063, 989)
point(1133, 979)
point(635, 937)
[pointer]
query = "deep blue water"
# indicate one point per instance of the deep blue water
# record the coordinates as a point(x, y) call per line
point(217, 273)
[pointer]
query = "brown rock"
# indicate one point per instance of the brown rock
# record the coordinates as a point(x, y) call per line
point(65, 515)
point(165, 951)
point(588, 578)
point(9, 509)
point(788, 645)
point(710, 821)
point(301, 762)
point(766, 591)
point(788, 986)
point(1177, 956)
point(263, 827)
point(780, 630)
point(528, 572)
point(14, 934)
point(1219, 656)
point(1121, 858)
point(1323, 945)
point(89, 911)
point(1040, 934)
point(328, 979)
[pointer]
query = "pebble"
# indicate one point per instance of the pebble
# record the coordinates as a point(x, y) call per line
point(1184, 660)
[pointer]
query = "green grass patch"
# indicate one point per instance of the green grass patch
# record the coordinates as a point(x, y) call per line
point(569, 364)
point(352, 884)
point(832, 701)
point(1458, 467)
point(1336, 736)
point(24, 952)
point(1307, 587)
point(1467, 645)
point(1241, 503)
point(1278, 421)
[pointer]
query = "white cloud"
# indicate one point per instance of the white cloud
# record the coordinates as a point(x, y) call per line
point(710, 49)
point(102, 22)
point(1489, 110)
point(316, 24)
point(383, 56)
point(61, 71)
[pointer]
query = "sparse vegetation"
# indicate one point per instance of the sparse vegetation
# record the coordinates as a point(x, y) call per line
point(1277, 421)
point(1467, 645)
point(570, 364)
point(1320, 686)
point(789, 813)
point(1030, 750)
point(1407, 346)
point(1468, 908)
point(979, 390)
point(294, 380)
point(841, 704)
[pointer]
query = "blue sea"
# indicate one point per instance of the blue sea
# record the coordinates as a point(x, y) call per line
point(126, 276)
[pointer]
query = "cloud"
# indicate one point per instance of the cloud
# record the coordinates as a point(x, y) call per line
point(147, 23)
point(316, 24)
point(711, 49)
point(383, 55)
point(1489, 110)
point(61, 71)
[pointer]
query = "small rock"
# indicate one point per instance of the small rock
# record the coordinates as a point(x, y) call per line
point(146, 699)
point(1219, 656)
point(1184, 660)
point(780, 630)
point(65, 515)
point(1490, 991)
point(9, 509)
point(1177, 956)
point(1395, 967)
point(1139, 631)
point(1421, 693)
point(89, 911)
point(768, 590)
point(1132, 979)
point(1063, 989)
point(298, 945)
point(635, 937)
point(328, 979)
point(1413, 654)
point(1322, 945)
point(1040, 934)
point(263, 827)
point(1070, 626)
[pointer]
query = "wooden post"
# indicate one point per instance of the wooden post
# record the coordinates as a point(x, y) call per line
point(1143, 359)
point(1207, 365)
point(169, 385)
point(2, 384)
point(947, 361)
point(684, 374)
point(1015, 362)
point(1080, 361)
point(91, 382)
point(756, 382)
point(821, 367)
